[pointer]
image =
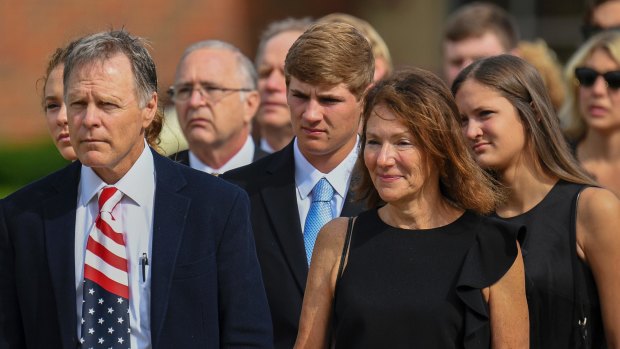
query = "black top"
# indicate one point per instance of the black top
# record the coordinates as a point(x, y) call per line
point(421, 288)
point(549, 253)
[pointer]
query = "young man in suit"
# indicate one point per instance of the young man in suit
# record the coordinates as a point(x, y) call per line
point(215, 97)
point(125, 248)
point(327, 71)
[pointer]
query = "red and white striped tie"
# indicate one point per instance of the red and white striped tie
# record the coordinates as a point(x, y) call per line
point(105, 316)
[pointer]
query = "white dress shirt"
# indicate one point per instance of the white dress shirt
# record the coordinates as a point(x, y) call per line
point(136, 207)
point(307, 176)
point(243, 157)
point(265, 146)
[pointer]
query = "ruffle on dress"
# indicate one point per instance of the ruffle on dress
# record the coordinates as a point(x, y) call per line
point(486, 262)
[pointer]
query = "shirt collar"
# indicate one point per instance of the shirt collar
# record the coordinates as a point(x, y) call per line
point(243, 157)
point(307, 176)
point(135, 184)
point(264, 145)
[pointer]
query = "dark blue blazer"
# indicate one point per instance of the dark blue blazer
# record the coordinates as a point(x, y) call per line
point(270, 184)
point(206, 286)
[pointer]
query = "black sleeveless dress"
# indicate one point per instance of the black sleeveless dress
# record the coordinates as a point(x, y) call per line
point(549, 253)
point(420, 288)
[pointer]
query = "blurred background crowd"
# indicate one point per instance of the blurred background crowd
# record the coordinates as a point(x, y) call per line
point(32, 30)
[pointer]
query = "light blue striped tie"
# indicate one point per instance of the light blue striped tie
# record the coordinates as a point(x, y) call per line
point(319, 214)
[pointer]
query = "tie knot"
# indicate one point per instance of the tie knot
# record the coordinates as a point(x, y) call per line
point(108, 198)
point(323, 191)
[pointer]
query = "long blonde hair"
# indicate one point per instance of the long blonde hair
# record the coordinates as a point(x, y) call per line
point(572, 121)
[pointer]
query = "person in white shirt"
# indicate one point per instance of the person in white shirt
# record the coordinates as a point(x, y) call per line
point(124, 247)
point(215, 97)
point(327, 70)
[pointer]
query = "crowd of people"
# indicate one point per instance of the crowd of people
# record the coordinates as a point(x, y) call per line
point(326, 199)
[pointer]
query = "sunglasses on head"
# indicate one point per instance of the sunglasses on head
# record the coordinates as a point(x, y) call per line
point(589, 30)
point(587, 77)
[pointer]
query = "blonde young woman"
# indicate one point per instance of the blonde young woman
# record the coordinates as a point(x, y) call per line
point(591, 114)
point(422, 268)
point(571, 248)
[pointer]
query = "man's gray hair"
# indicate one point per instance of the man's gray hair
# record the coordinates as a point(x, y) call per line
point(247, 72)
point(274, 28)
point(105, 45)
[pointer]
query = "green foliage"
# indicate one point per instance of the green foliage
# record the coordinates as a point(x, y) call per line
point(21, 165)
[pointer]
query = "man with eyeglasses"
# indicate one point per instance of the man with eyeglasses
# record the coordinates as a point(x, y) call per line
point(215, 98)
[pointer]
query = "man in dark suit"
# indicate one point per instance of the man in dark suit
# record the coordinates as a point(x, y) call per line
point(327, 71)
point(215, 97)
point(125, 248)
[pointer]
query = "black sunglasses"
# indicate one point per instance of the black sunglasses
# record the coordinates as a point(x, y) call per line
point(587, 77)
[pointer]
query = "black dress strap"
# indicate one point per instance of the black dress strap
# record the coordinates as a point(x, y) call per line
point(581, 337)
point(345, 248)
point(345, 251)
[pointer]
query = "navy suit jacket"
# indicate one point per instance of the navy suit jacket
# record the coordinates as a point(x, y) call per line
point(270, 183)
point(206, 286)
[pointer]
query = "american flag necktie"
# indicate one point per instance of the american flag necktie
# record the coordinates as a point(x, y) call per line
point(320, 213)
point(105, 309)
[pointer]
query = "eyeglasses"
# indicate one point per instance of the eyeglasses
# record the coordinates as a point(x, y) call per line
point(183, 92)
point(587, 77)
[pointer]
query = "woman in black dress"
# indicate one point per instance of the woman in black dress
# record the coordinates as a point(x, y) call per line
point(423, 268)
point(572, 247)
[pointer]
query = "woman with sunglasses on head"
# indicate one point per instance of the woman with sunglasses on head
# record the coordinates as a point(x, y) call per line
point(571, 249)
point(591, 113)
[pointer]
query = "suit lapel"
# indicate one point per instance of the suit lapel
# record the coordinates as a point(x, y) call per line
point(169, 213)
point(259, 153)
point(279, 197)
point(59, 221)
point(181, 157)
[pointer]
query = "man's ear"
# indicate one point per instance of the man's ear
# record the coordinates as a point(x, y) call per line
point(251, 104)
point(149, 110)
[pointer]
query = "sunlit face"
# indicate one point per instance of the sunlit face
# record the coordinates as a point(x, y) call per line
point(394, 161)
point(607, 14)
point(600, 105)
point(325, 119)
point(492, 126)
point(106, 121)
point(459, 54)
point(56, 113)
point(274, 111)
point(214, 122)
